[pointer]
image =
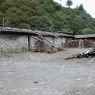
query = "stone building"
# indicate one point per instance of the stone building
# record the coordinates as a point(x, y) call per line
point(18, 40)
point(87, 40)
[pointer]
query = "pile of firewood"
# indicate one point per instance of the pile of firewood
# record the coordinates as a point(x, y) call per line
point(88, 54)
point(74, 44)
point(44, 45)
point(88, 43)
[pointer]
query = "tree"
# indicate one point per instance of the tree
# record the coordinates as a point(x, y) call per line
point(75, 25)
point(69, 3)
point(1, 1)
point(45, 15)
point(81, 8)
point(40, 23)
point(88, 31)
point(49, 8)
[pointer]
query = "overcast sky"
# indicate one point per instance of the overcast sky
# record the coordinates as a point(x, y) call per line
point(89, 5)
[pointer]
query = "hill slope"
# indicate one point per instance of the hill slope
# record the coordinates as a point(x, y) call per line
point(45, 15)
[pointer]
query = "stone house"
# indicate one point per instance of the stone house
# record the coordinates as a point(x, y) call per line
point(18, 40)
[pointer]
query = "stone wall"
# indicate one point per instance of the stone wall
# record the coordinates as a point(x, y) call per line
point(18, 43)
point(50, 39)
point(12, 43)
point(63, 41)
point(32, 43)
point(57, 41)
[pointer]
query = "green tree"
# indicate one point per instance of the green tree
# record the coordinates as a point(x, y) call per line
point(40, 23)
point(69, 3)
point(88, 31)
point(75, 25)
point(45, 15)
point(81, 8)
point(1, 1)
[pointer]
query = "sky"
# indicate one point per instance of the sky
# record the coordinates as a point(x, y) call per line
point(89, 5)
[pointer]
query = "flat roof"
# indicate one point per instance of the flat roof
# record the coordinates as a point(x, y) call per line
point(35, 32)
point(84, 36)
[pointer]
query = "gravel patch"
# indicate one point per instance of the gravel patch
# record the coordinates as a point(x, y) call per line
point(46, 74)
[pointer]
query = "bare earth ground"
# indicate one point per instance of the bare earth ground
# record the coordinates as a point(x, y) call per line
point(46, 74)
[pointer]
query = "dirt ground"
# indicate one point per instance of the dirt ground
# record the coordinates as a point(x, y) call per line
point(46, 74)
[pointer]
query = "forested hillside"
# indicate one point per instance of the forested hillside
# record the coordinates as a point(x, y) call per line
point(45, 15)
